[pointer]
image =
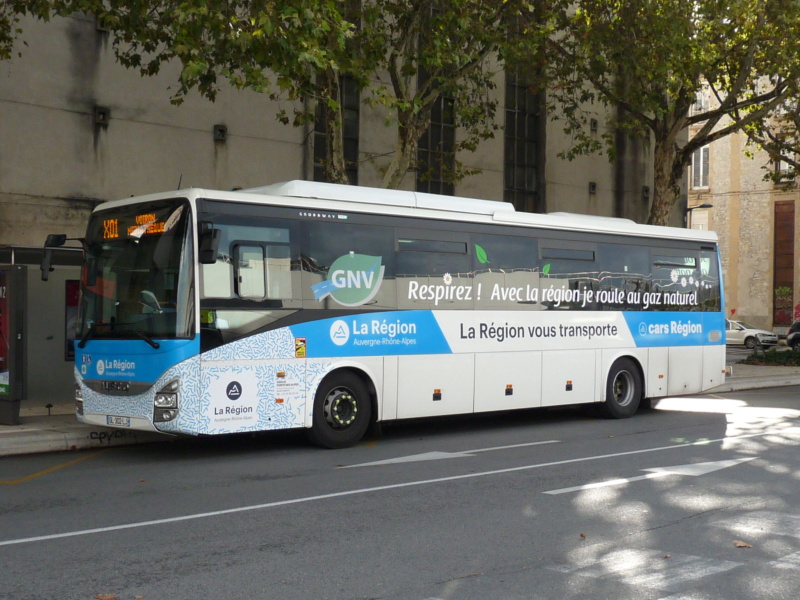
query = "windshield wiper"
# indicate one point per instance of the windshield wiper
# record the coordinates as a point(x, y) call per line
point(146, 338)
point(89, 331)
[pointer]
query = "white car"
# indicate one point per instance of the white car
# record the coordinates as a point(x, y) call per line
point(739, 332)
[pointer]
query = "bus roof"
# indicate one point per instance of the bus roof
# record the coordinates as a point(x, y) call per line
point(329, 196)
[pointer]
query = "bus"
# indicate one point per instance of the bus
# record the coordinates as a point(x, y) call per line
point(331, 308)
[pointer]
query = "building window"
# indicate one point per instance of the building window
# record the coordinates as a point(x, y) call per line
point(700, 168)
point(436, 150)
point(701, 101)
point(350, 104)
point(785, 169)
point(522, 130)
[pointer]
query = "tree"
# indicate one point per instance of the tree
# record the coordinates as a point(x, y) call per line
point(299, 50)
point(433, 50)
point(10, 13)
point(650, 58)
point(781, 142)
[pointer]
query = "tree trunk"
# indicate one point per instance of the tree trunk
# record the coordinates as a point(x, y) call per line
point(410, 129)
point(335, 169)
point(667, 182)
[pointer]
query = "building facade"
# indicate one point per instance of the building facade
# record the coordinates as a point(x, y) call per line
point(77, 129)
point(757, 221)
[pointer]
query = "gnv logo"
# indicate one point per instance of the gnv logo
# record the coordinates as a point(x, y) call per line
point(339, 332)
point(353, 279)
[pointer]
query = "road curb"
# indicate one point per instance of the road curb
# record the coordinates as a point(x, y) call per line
point(71, 438)
point(752, 383)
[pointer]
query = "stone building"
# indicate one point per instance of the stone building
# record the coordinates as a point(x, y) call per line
point(78, 129)
point(757, 221)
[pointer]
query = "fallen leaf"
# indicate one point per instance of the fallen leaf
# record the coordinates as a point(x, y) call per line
point(741, 544)
point(106, 597)
point(583, 536)
point(667, 556)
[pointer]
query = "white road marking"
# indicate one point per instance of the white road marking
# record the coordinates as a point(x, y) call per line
point(394, 486)
point(693, 469)
point(426, 456)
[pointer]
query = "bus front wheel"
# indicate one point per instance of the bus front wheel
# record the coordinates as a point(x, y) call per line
point(342, 411)
point(623, 390)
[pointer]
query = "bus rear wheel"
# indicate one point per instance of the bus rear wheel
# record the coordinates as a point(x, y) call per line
point(342, 411)
point(623, 390)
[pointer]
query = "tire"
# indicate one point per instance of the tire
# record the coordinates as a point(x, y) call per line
point(750, 343)
point(623, 390)
point(342, 411)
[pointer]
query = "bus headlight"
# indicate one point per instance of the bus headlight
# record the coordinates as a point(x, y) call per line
point(165, 403)
point(78, 399)
point(166, 400)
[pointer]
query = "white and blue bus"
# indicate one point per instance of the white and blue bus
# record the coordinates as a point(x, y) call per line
point(329, 308)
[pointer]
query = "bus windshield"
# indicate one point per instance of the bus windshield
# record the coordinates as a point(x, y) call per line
point(137, 281)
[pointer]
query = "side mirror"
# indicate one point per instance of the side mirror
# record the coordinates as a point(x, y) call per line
point(209, 243)
point(54, 240)
point(149, 300)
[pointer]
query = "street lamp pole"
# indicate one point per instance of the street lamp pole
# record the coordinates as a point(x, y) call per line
point(691, 208)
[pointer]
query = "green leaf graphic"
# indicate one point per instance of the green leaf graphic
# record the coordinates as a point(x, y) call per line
point(481, 254)
point(546, 269)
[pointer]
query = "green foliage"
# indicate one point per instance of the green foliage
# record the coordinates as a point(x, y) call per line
point(774, 357)
point(645, 61)
point(295, 51)
point(10, 13)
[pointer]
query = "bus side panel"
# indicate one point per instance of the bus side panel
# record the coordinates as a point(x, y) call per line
point(684, 375)
point(388, 403)
point(252, 384)
point(495, 372)
point(420, 376)
point(252, 395)
point(713, 366)
point(568, 377)
point(657, 376)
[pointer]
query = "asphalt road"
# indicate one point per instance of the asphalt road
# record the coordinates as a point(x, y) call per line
point(530, 505)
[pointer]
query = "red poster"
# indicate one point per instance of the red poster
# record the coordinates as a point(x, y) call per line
point(4, 334)
point(72, 296)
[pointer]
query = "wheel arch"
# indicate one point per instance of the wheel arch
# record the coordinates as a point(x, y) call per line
point(365, 373)
point(638, 359)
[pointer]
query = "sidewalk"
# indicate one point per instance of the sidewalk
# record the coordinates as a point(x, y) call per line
point(57, 430)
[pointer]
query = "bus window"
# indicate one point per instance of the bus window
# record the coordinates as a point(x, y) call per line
point(365, 279)
point(506, 267)
point(568, 269)
point(279, 272)
point(250, 282)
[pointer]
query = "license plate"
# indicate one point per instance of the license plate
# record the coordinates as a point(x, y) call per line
point(118, 421)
